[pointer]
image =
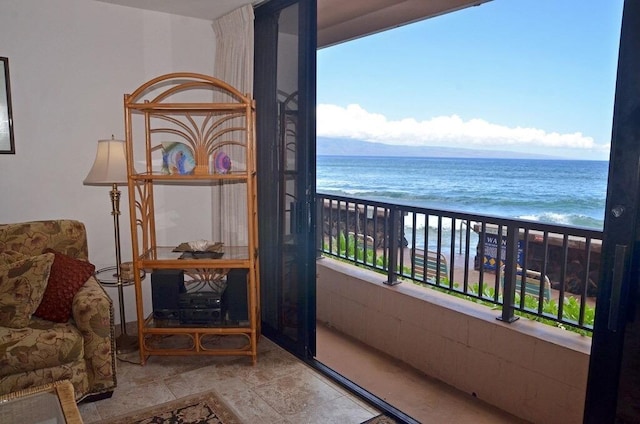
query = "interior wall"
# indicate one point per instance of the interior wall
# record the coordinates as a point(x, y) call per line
point(71, 62)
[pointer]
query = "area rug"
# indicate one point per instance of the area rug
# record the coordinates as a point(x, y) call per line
point(195, 409)
point(381, 419)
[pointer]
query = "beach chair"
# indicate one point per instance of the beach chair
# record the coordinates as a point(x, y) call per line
point(362, 240)
point(531, 283)
point(429, 263)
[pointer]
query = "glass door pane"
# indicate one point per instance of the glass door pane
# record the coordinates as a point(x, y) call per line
point(285, 100)
point(613, 388)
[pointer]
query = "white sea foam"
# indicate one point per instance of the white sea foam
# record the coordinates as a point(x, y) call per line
point(433, 222)
point(432, 232)
point(555, 218)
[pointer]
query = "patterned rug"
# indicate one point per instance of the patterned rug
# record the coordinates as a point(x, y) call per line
point(381, 419)
point(201, 408)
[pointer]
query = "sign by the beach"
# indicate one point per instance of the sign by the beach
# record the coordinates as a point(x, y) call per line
point(490, 258)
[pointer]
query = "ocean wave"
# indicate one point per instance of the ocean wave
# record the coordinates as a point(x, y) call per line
point(445, 240)
point(577, 220)
point(469, 201)
point(448, 232)
point(557, 192)
point(446, 224)
point(595, 220)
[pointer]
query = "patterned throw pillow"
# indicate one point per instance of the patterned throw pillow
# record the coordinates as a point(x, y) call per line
point(22, 285)
point(67, 276)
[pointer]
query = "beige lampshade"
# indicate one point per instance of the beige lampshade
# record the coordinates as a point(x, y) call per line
point(110, 164)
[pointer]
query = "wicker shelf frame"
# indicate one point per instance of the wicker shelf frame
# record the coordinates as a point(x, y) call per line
point(183, 106)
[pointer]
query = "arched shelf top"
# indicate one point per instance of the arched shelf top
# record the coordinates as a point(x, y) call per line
point(163, 87)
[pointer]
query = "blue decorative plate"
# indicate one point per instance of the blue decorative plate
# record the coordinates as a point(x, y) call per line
point(177, 159)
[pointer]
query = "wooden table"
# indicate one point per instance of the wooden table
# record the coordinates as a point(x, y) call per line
point(50, 403)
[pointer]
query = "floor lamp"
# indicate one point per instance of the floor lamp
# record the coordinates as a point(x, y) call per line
point(110, 168)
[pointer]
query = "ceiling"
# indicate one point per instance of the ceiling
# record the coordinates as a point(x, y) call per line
point(342, 20)
point(203, 9)
point(338, 20)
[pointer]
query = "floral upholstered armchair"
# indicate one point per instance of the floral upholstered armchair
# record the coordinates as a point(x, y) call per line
point(56, 321)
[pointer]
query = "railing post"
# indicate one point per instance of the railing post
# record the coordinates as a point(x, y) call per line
point(392, 255)
point(509, 274)
point(320, 226)
point(460, 236)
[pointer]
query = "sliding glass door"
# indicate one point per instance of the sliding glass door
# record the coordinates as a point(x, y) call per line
point(613, 391)
point(285, 45)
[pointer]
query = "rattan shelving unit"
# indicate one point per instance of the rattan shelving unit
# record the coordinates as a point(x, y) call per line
point(207, 116)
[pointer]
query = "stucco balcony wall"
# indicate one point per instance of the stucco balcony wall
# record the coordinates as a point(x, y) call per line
point(531, 370)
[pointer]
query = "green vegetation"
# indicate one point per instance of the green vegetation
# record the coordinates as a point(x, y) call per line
point(570, 306)
point(349, 248)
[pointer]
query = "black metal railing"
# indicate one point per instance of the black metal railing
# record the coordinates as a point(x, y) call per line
point(546, 271)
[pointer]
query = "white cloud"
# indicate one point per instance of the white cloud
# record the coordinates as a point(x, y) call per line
point(357, 123)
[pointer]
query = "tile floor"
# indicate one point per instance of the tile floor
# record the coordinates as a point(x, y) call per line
point(278, 389)
point(282, 389)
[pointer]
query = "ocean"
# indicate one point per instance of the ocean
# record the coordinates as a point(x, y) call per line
point(564, 192)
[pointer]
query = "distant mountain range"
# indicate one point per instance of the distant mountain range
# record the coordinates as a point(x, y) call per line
point(349, 147)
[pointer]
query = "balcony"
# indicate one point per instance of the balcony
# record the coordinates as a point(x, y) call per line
point(472, 323)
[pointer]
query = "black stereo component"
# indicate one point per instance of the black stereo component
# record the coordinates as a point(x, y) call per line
point(234, 298)
point(209, 316)
point(199, 300)
point(201, 308)
point(166, 287)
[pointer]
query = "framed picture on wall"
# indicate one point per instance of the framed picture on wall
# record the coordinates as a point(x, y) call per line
point(6, 119)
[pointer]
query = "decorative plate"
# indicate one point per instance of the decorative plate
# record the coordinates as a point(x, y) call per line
point(222, 163)
point(177, 159)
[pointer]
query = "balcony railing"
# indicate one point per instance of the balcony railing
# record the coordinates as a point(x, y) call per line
point(548, 272)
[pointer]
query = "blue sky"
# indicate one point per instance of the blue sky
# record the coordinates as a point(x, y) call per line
point(531, 76)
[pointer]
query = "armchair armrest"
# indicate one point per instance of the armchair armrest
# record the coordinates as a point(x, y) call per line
point(93, 314)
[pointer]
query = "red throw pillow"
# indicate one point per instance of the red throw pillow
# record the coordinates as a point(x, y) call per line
point(67, 276)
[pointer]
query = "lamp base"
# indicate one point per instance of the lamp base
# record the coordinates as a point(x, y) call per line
point(126, 343)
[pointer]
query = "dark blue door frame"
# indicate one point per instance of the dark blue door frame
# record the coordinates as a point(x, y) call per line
point(613, 388)
point(285, 68)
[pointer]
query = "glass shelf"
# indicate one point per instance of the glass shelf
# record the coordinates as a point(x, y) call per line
point(153, 322)
point(160, 253)
point(108, 277)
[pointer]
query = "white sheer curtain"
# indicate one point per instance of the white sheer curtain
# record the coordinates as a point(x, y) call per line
point(234, 65)
point(234, 48)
